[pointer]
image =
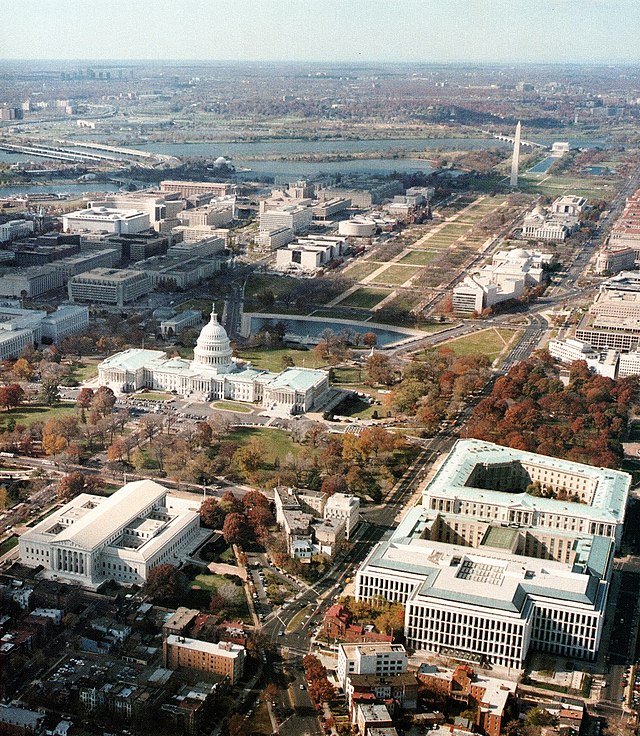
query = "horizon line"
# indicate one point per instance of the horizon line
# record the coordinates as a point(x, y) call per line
point(386, 62)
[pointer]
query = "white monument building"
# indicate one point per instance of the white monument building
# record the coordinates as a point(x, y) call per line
point(93, 539)
point(214, 374)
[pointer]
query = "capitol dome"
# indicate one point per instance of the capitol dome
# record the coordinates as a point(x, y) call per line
point(212, 351)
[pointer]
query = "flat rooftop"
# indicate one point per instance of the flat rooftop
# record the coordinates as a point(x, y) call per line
point(608, 501)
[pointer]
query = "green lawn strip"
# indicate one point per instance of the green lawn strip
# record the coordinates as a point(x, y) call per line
point(210, 581)
point(276, 443)
point(28, 415)
point(353, 406)
point(296, 621)
point(365, 297)
point(200, 305)
point(8, 544)
point(360, 270)
point(396, 274)
point(271, 359)
point(83, 371)
point(153, 396)
point(488, 342)
point(418, 257)
point(355, 313)
point(347, 375)
point(258, 283)
point(232, 406)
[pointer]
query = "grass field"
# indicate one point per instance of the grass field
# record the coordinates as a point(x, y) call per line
point(261, 282)
point(489, 342)
point(276, 443)
point(231, 406)
point(37, 413)
point(271, 359)
point(418, 258)
point(154, 396)
point(209, 581)
point(361, 270)
point(365, 297)
point(356, 407)
point(8, 544)
point(84, 371)
point(396, 275)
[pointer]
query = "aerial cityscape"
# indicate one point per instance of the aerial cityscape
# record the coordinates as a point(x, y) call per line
point(320, 368)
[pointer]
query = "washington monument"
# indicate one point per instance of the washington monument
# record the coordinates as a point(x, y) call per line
point(515, 161)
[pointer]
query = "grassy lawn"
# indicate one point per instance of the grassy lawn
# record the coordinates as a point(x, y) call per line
point(296, 621)
point(347, 375)
point(262, 282)
point(154, 396)
point(209, 581)
point(8, 544)
point(357, 407)
point(35, 413)
point(365, 297)
point(232, 406)
point(276, 443)
point(489, 342)
point(84, 371)
point(418, 257)
point(201, 305)
point(338, 313)
point(360, 270)
point(271, 359)
point(396, 275)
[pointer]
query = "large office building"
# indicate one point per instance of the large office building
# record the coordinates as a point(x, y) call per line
point(191, 188)
point(109, 286)
point(213, 374)
point(15, 229)
point(93, 539)
point(22, 328)
point(296, 217)
point(487, 571)
point(507, 277)
point(107, 220)
point(613, 320)
point(31, 282)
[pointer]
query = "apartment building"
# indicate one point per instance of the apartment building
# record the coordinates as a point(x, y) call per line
point(224, 658)
point(370, 659)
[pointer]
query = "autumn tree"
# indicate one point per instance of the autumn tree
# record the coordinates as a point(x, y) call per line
point(84, 399)
point(369, 339)
point(103, 401)
point(53, 439)
point(211, 514)
point(23, 370)
point(378, 370)
point(235, 529)
point(11, 396)
point(165, 583)
point(72, 484)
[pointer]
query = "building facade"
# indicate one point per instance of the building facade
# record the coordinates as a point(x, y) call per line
point(93, 539)
point(213, 374)
point(109, 286)
point(487, 571)
point(224, 658)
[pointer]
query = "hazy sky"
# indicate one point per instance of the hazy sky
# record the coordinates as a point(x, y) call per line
point(323, 30)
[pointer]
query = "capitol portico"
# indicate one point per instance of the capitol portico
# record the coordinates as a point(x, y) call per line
point(214, 374)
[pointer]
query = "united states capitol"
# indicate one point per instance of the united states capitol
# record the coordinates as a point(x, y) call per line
point(214, 374)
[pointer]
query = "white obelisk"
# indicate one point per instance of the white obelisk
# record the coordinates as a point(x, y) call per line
point(515, 161)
